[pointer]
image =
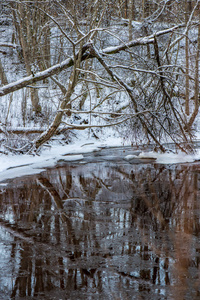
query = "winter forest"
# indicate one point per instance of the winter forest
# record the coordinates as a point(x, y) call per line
point(99, 68)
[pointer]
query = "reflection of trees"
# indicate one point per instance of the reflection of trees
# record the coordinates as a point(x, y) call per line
point(104, 228)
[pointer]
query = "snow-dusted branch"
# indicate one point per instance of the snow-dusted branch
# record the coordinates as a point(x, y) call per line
point(105, 113)
point(9, 45)
point(140, 41)
point(122, 120)
point(102, 81)
point(17, 85)
point(156, 73)
point(83, 127)
point(21, 83)
point(21, 130)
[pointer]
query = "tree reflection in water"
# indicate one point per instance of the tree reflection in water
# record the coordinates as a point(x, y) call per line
point(102, 231)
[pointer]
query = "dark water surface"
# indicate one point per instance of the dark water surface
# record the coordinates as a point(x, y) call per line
point(102, 228)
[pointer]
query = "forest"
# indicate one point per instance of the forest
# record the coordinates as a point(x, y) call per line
point(127, 68)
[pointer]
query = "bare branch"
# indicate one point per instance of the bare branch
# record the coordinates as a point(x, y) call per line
point(83, 127)
point(186, 27)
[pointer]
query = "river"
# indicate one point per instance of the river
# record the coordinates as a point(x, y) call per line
point(102, 228)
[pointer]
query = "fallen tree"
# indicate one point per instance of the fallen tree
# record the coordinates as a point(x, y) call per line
point(39, 76)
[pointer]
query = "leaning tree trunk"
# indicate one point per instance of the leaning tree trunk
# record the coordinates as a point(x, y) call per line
point(71, 86)
point(58, 118)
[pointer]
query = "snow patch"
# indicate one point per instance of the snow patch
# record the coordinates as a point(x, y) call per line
point(130, 156)
point(12, 166)
point(170, 158)
point(71, 158)
point(166, 158)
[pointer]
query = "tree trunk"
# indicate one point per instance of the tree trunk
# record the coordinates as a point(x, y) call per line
point(3, 77)
point(65, 103)
point(126, 9)
point(130, 16)
point(187, 83)
point(34, 39)
point(146, 8)
point(196, 88)
point(58, 118)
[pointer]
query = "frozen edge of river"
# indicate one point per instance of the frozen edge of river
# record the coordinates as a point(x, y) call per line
point(12, 166)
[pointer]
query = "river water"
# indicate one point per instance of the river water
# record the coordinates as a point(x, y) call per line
point(102, 228)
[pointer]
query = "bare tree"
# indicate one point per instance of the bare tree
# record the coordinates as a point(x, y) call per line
point(33, 34)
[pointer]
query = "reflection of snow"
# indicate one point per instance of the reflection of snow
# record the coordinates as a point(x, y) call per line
point(6, 281)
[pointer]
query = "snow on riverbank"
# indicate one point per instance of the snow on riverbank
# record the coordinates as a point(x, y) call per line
point(166, 158)
point(12, 166)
